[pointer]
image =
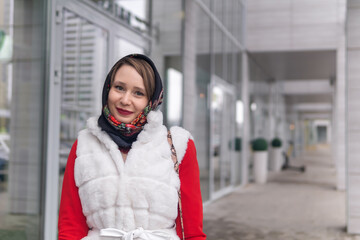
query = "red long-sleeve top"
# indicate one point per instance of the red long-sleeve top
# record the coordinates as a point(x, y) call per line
point(72, 222)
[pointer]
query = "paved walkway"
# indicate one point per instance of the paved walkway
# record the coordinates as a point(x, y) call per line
point(292, 205)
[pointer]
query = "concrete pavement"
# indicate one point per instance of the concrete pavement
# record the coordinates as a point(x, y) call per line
point(292, 205)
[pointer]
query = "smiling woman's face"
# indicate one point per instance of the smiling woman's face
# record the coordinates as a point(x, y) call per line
point(127, 95)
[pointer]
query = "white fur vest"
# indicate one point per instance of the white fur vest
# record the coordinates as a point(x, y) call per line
point(140, 192)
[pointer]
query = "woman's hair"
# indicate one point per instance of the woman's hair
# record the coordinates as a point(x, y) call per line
point(143, 68)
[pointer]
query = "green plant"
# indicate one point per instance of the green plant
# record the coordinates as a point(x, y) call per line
point(259, 144)
point(238, 144)
point(276, 142)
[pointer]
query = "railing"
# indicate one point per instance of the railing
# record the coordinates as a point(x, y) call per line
point(125, 16)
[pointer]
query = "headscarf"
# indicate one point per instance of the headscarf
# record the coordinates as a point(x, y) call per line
point(121, 133)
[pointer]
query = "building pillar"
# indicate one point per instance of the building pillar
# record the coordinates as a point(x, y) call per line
point(297, 134)
point(283, 127)
point(351, 90)
point(272, 111)
point(340, 109)
point(245, 155)
point(189, 65)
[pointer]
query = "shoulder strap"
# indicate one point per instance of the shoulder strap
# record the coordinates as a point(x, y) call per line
point(176, 168)
point(173, 153)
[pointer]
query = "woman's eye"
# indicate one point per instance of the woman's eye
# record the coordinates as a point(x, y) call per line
point(119, 88)
point(138, 93)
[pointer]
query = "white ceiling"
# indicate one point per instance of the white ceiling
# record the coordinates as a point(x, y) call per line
point(300, 66)
point(296, 65)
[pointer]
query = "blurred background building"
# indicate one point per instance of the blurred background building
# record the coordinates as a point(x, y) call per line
point(233, 71)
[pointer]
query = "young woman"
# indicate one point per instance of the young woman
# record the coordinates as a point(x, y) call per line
point(120, 181)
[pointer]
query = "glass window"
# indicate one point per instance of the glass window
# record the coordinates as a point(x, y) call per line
point(124, 47)
point(222, 128)
point(22, 81)
point(174, 96)
point(218, 52)
point(239, 114)
point(228, 61)
point(240, 28)
point(203, 73)
point(218, 10)
point(207, 3)
point(173, 90)
point(137, 10)
point(105, 4)
point(166, 51)
point(83, 71)
point(131, 12)
point(229, 14)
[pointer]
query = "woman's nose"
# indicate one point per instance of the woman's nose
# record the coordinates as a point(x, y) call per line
point(125, 99)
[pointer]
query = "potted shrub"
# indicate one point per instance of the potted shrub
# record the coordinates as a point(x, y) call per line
point(275, 155)
point(260, 156)
point(238, 144)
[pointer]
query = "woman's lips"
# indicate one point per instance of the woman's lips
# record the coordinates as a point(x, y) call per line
point(123, 111)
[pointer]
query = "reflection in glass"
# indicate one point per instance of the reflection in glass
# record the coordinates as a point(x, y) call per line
point(217, 101)
point(222, 134)
point(123, 48)
point(203, 73)
point(218, 52)
point(22, 82)
point(83, 69)
point(174, 96)
point(131, 12)
point(105, 4)
point(239, 112)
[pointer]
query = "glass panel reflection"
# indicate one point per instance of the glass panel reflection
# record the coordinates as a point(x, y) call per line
point(83, 71)
point(131, 12)
point(218, 52)
point(222, 134)
point(203, 73)
point(124, 47)
point(217, 99)
point(22, 81)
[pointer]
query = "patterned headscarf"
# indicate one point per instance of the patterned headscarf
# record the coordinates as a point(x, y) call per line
point(124, 134)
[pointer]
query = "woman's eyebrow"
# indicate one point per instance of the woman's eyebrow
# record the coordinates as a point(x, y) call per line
point(139, 88)
point(118, 81)
point(123, 83)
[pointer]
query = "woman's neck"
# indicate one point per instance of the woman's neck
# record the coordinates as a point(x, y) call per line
point(124, 152)
point(124, 156)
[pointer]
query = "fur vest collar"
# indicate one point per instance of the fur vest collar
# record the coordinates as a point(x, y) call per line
point(138, 192)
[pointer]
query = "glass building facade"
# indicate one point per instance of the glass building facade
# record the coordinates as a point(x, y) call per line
point(22, 117)
point(202, 42)
point(54, 56)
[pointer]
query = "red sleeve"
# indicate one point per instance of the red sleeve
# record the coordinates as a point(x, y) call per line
point(192, 206)
point(72, 222)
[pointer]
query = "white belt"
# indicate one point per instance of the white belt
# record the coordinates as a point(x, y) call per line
point(138, 233)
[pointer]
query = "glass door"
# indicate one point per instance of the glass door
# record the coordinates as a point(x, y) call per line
point(222, 136)
point(83, 70)
point(78, 66)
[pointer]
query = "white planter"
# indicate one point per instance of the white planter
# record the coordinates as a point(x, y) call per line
point(276, 160)
point(260, 166)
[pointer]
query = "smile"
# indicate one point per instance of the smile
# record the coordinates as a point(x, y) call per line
point(123, 111)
